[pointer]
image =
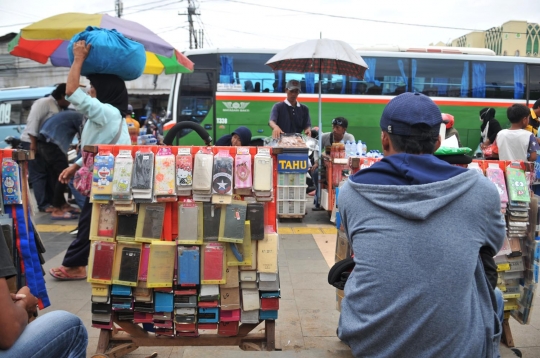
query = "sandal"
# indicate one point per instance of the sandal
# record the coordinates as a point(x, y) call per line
point(48, 209)
point(61, 274)
point(65, 216)
point(71, 209)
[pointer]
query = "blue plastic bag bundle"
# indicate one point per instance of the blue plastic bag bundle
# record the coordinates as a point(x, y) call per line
point(111, 53)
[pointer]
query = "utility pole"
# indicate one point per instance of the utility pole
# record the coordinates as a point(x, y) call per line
point(193, 38)
point(118, 7)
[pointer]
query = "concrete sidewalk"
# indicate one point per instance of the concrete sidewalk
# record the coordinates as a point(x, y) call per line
point(307, 316)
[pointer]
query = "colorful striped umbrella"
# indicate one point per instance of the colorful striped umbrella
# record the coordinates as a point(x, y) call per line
point(49, 38)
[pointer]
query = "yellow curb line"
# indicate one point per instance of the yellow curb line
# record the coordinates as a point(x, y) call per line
point(55, 228)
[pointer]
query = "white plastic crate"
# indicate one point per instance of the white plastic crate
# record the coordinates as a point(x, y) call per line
point(291, 179)
point(291, 207)
point(292, 192)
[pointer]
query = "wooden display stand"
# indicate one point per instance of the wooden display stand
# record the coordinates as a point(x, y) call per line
point(126, 336)
point(132, 336)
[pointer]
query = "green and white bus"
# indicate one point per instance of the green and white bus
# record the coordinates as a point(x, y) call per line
point(234, 87)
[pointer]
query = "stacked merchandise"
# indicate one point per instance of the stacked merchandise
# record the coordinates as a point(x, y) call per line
point(23, 241)
point(183, 239)
point(515, 261)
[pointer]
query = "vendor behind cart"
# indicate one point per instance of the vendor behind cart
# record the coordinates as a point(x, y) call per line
point(290, 116)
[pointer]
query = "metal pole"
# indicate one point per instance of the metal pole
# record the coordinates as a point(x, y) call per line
point(321, 167)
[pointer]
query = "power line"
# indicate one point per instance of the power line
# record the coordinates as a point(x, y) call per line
point(154, 7)
point(138, 5)
point(206, 37)
point(363, 19)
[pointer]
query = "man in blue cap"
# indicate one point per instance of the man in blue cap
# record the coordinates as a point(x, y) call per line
point(419, 228)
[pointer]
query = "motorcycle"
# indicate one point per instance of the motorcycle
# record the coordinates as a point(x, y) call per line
point(12, 142)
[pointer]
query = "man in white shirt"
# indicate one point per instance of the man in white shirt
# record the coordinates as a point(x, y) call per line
point(42, 109)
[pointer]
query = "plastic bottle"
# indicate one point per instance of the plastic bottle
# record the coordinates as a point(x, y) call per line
point(364, 148)
point(359, 147)
point(347, 149)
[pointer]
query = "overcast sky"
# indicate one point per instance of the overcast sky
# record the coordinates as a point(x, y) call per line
point(277, 24)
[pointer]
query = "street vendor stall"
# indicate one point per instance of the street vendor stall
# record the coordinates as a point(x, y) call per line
point(184, 247)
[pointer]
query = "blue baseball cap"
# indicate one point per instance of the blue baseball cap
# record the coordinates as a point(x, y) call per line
point(408, 109)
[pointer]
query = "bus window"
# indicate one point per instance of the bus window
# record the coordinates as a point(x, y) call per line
point(498, 80)
point(196, 96)
point(534, 83)
point(387, 76)
point(246, 72)
point(441, 78)
point(15, 112)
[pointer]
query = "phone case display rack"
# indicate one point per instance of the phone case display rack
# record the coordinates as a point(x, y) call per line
point(22, 239)
point(184, 247)
point(518, 261)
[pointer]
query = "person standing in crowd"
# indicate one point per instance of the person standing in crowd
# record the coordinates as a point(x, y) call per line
point(55, 334)
point(240, 137)
point(133, 125)
point(339, 133)
point(489, 128)
point(290, 116)
point(448, 119)
point(516, 143)
point(105, 106)
point(432, 299)
point(534, 119)
point(41, 110)
point(55, 137)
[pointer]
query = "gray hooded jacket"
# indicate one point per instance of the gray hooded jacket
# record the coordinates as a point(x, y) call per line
point(418, 288)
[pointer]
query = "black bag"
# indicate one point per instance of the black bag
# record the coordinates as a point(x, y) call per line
point(339, 273)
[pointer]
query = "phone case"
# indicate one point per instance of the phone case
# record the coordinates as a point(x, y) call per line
point(153, 221)
point(233, 221)
point(127, 225)
point(103, 260)
point(242, 172)
point(11, 184)
point(184, 173)
point(143, 270)
point(202, 172)
point(188, 265)
point(129, 266)
point(211, 218)
point(262, 173)
point(213, 262)
point(107, 220)
point(255, 215)
point(222, 178)
point(143, 170)
point(188, 217)
point(103, 176)
point(164, 173)
point(123, 170)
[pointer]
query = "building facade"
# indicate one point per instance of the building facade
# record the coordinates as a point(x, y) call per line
point(513, 38)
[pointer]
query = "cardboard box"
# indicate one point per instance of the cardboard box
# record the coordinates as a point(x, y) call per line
point(249, 316)
point(250, 300)
point(228, 328)
point(230, 298)
point(267, 254)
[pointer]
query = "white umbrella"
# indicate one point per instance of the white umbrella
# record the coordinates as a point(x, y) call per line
point(320, 56)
